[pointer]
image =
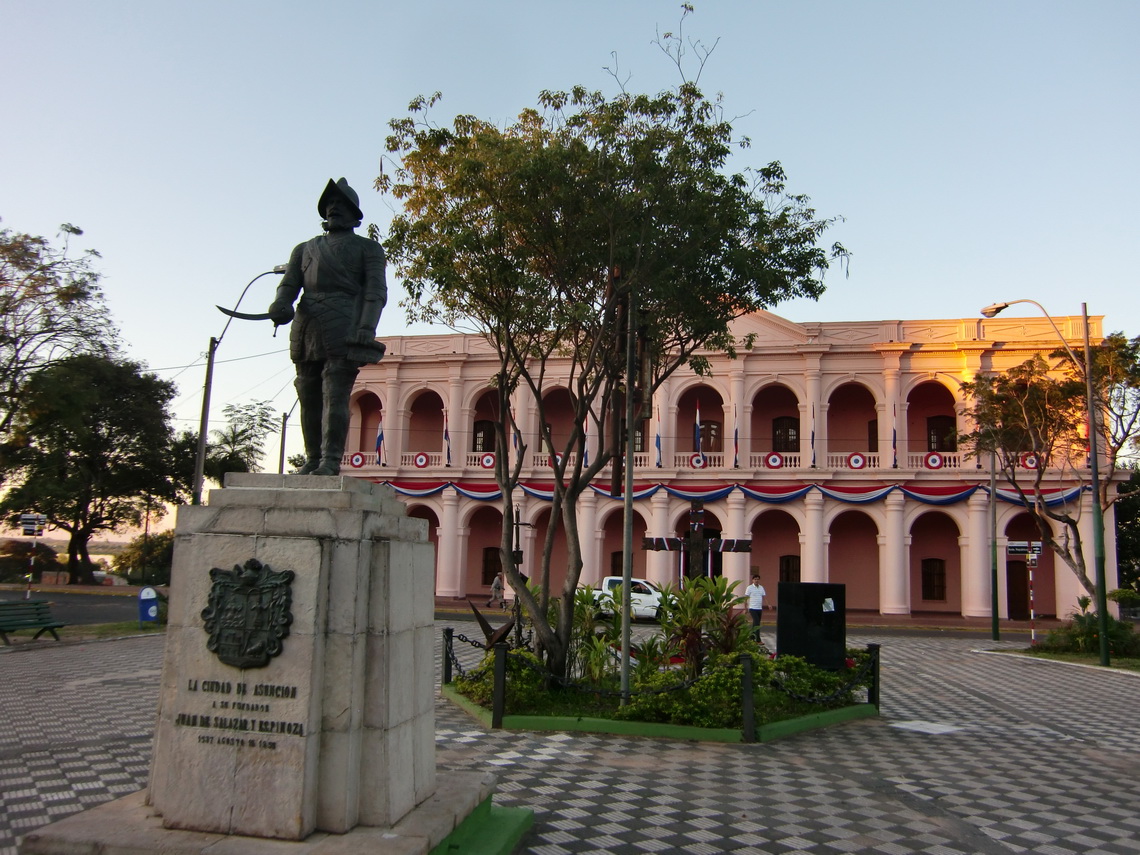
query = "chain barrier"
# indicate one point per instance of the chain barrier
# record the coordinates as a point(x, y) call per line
point(567, 683)
point(478, 645)
point(866, 669)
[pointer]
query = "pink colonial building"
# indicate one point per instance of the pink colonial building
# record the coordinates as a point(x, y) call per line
point(832, 446)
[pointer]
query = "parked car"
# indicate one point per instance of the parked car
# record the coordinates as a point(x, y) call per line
point(644, 597)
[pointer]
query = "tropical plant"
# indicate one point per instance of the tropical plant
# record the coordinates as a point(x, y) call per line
point(706, 616)
point(1081, 634)
point(239, 446)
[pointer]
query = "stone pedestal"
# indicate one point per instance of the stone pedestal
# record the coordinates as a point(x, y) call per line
point(298, 690)
point(337, 729)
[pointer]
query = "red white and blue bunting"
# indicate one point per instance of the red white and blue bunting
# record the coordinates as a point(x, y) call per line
point(709, 493)
point(940, 495)
point(1052, 495)
point(639, 492)
point(769, 494)
point(775, 495)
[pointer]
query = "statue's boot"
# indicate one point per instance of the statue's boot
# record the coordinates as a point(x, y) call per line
point(338, 377)
point(309, 394)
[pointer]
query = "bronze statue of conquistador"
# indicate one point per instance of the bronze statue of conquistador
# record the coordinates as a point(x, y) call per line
point(340, 278)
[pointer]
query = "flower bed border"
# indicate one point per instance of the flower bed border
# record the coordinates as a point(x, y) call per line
point(583, 724)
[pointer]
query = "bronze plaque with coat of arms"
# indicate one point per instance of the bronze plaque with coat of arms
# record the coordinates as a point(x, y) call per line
point(248, 614)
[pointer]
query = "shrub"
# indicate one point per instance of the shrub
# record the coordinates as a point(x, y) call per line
point(1082, 635)
point(801, 679)
point(1126, 597)
point(525, 681)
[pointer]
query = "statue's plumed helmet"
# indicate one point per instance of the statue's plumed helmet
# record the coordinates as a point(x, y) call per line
point(340, 188)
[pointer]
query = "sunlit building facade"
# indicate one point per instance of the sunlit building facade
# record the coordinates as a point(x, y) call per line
point(831, 446)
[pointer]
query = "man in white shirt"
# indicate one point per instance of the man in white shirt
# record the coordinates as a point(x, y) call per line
point(755, 593)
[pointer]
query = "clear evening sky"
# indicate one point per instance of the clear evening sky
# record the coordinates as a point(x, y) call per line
point(977, 151)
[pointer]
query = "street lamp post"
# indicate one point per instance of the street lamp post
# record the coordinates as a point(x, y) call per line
point(204, 422)
point(284, 422)
point(1094, 462)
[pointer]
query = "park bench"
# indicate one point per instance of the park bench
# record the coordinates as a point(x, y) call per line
point(28, 614)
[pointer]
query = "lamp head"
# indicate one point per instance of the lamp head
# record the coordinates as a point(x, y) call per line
point(993, 309)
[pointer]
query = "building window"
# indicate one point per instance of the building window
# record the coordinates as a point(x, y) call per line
point(873, 436)
point(933, 579)
point(492, 563)
point(711, 440)
point(483, 436)
point(941, 433)
point(786, 435)
point(638, 436)
point(616, 563)
point(789, 568)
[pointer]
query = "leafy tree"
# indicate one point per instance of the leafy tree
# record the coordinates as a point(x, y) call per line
point(147, 558)
point(16, 559)
point(1127, 516)
point(1041, 409)
point(538, 234)
point(51, 307)
point(90, 450)
point(240, 445)
point(182, 454)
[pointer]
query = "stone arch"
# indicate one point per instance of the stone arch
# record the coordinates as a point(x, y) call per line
point(368, 414)
point(775, 534)
point(772, 403)
point(1027, 587)
point(424, 431)
point(852, 419)
point(853, 557)
point(559, 553)
point(708, 399)
point(931, 418)
point(484, 522)
point(611, 523)
point(422, 511)
point(935, 563)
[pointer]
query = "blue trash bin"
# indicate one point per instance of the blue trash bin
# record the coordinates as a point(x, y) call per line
point(148, 605)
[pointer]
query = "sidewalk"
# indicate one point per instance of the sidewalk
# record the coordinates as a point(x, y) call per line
point(974, 753)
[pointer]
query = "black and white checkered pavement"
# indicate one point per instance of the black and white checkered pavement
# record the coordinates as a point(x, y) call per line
point(974, 753)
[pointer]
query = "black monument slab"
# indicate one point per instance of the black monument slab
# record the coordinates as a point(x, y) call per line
point(812, 623)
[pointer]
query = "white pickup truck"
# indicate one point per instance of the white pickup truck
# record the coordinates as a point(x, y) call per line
point(644, 596)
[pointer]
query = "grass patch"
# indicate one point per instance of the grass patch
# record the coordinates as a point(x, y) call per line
point(770, 705)
point(1124, 663)
point(773, 729)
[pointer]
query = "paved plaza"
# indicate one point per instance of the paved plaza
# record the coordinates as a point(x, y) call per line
point(973, 753)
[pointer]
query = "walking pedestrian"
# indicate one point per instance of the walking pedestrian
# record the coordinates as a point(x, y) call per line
point(497, 592)
point(755, 593)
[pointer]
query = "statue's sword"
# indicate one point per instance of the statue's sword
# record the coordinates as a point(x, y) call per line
point(249, 316)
